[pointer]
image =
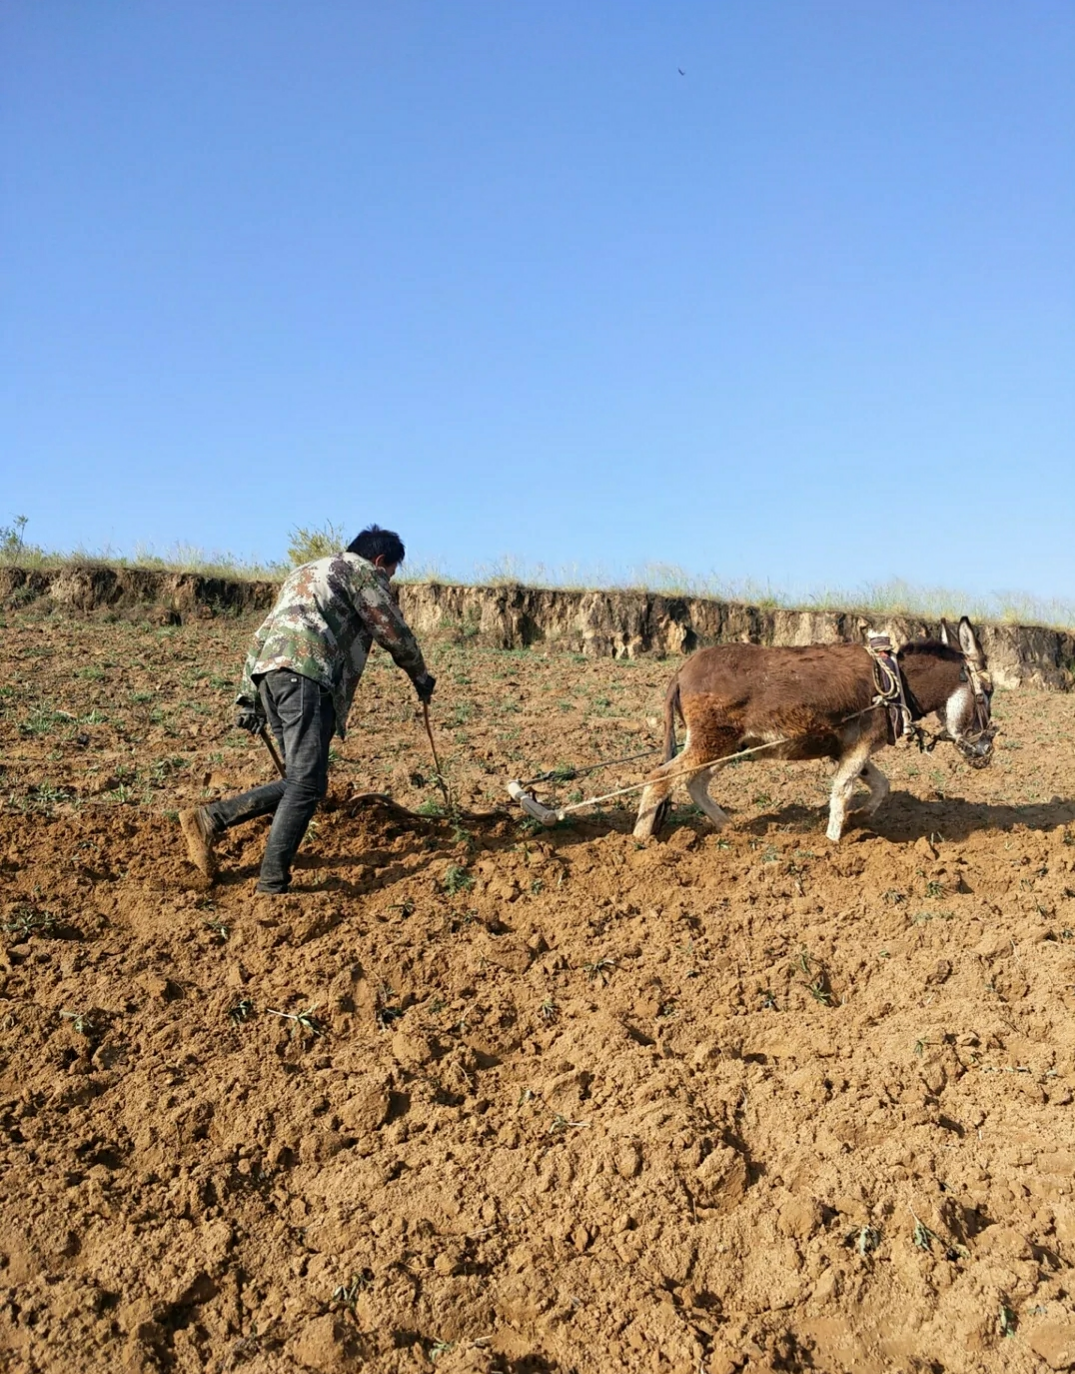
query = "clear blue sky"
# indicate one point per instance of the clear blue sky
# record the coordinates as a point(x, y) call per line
point(497, 275)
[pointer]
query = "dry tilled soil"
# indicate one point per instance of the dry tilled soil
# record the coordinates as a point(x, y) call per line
point(482, 1097)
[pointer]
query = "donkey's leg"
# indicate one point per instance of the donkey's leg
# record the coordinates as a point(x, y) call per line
point(651, 806)
point(876, 781)
point(698, 787)
point(848, 769)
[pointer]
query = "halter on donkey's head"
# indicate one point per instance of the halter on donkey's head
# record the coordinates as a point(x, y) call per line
point(976, 745)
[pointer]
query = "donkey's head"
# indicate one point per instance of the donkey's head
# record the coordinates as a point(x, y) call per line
point(965, 715)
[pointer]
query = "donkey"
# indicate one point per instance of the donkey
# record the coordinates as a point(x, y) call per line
point(810, 703)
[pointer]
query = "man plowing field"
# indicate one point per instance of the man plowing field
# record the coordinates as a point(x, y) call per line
point(299, 681)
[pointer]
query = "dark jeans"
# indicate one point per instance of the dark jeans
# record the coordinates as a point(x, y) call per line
point(301, 716)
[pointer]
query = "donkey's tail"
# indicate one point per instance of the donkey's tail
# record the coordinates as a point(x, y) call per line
point(672, 708)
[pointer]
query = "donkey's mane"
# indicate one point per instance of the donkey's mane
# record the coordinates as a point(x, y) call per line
point(934, 647)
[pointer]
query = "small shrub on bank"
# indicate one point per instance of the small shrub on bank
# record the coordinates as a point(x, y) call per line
point(13, 546)
point(306, 544)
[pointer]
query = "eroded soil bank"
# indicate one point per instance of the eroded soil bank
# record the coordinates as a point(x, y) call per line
point(536, 1101)
point(597, 624)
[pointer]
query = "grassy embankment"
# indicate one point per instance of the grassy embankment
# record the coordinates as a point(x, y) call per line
point(884, 598)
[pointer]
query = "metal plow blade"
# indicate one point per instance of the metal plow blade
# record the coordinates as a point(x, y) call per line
point(532, 806)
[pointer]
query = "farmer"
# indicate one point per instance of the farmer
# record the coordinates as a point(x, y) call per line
point(299, 679)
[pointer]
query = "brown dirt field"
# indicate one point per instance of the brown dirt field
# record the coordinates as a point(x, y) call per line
point(563, 1102)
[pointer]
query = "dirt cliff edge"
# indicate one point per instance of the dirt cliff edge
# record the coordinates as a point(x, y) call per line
point(598, 624)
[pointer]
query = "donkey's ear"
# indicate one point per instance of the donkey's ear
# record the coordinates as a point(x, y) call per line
point(968, 641)
point(946, 633)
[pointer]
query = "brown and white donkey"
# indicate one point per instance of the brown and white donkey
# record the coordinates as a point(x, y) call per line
point(810, 703)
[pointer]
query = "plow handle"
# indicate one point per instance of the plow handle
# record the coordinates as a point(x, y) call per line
point(270, 744)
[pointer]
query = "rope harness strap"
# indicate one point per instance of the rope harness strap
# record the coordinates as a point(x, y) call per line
point(891, 692)
point(976, 745)
point(570, 774)
point(981, 684)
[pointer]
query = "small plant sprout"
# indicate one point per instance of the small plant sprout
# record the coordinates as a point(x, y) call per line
point(347, 1293)
point(560, 1123)
point(241, 1011)
point(600, 970)
point(219, 929)
point(461, 835)
point(301, 1020)
point(1006, 1320)
point(386, 1013)
point(81, 1022)
point(923, 1237)
point(863, 1240)
point(817, 982)
point(25, 920)
point(456, 879)
point(439, 1348)
point(549, 1009)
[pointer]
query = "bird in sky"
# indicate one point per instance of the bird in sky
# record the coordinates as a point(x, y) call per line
point(681, 71)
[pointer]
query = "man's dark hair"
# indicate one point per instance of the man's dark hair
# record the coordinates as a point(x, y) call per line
point(375, 542)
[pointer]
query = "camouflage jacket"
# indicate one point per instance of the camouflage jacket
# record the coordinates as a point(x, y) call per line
point(326, 617)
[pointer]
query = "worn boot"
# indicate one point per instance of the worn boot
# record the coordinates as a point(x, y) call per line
point(200, 834)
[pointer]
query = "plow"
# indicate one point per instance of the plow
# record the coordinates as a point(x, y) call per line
point(521, 793)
